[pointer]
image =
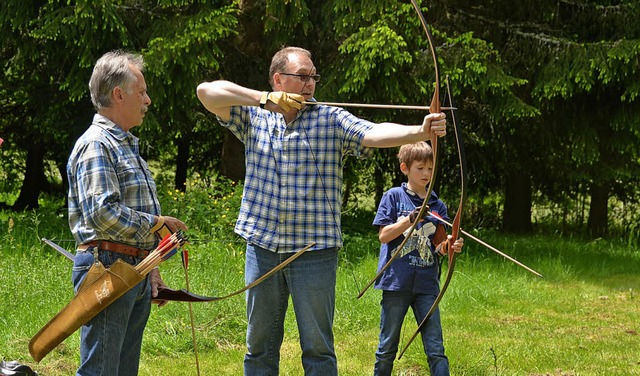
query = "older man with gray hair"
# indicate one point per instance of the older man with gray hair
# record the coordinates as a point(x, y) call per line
point(114, 212)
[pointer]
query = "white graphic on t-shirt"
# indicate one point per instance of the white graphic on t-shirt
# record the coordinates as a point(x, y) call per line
point(420, 241)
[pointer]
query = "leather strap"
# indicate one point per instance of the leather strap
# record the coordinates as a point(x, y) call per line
point(263, 99)
point(106, 245)
point(158, 224)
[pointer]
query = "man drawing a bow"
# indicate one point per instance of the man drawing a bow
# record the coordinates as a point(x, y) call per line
point(292, 197)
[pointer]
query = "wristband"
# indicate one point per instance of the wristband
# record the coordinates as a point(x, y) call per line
point(263, 99)
point(158, 224)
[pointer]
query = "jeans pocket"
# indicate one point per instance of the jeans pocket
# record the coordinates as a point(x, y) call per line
point(81, 266)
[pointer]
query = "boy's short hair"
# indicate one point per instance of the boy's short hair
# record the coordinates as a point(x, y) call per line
point(420, 151)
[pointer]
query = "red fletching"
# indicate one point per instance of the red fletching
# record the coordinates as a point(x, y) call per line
point(168, 246)
point(164, 241)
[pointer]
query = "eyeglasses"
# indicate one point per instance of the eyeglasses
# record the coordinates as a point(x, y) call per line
point(304, 77)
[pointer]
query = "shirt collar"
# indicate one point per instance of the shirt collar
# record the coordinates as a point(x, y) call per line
point(413, 194)
point(112, 128)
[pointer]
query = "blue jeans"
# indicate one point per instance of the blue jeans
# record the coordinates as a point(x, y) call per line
point(310, 281)
point(395, 305)
point(110, 342)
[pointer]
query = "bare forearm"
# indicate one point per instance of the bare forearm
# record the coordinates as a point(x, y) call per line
point(386, 135)
point(390, 232)
point(219, 96)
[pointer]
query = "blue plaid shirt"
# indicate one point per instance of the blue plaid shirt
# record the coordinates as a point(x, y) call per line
point(293, 186)
point(112, 195)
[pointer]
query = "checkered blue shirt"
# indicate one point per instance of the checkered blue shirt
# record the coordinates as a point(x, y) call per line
point(112, 195)
point(293, 185)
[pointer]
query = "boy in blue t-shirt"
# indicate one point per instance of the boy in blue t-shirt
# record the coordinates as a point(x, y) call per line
point(412, 280)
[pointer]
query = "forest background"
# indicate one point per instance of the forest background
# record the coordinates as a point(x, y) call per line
point(547, 93)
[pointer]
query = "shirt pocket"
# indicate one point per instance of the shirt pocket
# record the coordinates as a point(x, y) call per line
point(131, 179)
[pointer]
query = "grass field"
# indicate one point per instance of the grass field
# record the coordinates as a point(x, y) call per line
point(498, 319)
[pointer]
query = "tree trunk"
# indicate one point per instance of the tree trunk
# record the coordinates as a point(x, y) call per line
point(182, 164)
point(599, 210)
point(597, 223)
point(517, 203)
point(232, 163)
point(348, 184)
point(34, 179)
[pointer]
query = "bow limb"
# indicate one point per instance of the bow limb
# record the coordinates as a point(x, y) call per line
point(182, 295)
point(455, 228)
point(435, 100)
point(434, 107)
point(185, 265)
point(166, 293)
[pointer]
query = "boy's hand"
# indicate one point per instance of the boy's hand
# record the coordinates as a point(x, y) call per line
point(414, 214)
point(457, 245)
point(443, 248)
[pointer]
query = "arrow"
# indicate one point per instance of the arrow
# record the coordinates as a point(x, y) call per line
point(490, 247)
point(59, 249)
point(367, 105)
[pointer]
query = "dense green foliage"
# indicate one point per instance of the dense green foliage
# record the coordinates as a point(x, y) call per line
point(547, 91)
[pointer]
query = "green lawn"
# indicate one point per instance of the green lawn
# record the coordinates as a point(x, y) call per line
point(498, 319)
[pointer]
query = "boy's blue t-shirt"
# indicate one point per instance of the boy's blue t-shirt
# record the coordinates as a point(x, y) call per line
point(416, 269)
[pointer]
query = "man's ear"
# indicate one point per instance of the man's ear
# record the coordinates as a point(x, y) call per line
point(116, 94)
point(277, 81)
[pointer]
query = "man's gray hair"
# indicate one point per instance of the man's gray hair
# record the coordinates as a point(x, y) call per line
point(111, 71)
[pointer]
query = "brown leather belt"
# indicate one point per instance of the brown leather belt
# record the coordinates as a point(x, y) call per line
point(115, 247)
